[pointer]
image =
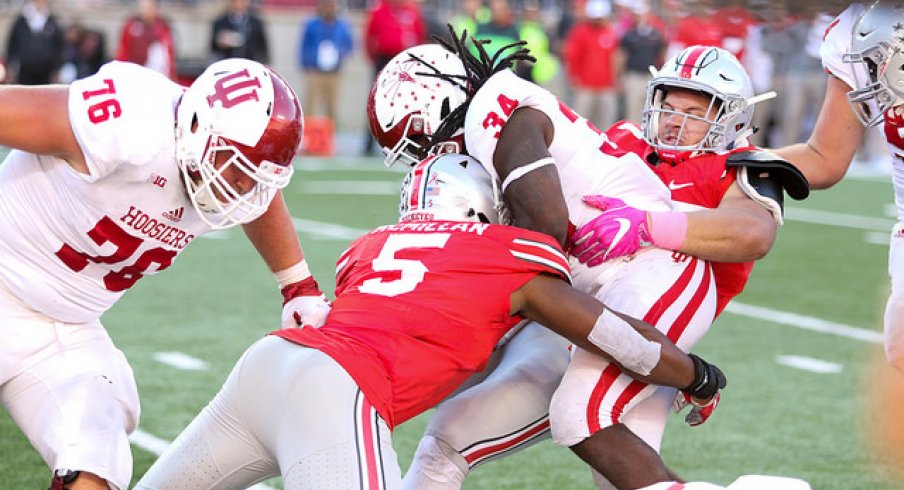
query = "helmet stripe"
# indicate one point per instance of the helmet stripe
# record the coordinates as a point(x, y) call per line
point(416, 194)
point(691, 61)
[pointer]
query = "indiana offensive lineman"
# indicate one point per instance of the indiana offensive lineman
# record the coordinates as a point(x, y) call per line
point(317, 405)
point(110, 179)
point(508, 123)
point(861, 51)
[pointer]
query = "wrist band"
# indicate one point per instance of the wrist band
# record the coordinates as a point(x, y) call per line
point(668, 229)
point(293, 274)
point(525, 169)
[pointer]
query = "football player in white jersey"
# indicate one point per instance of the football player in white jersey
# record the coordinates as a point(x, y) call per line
point(549, 146)
point(553, 159)
point(108, 180)
point(862, 52)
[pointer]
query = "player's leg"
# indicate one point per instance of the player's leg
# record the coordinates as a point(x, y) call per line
point(74, 397)
point(894, 310)
point(506, 412)
point(285, 409)
point(596, 403)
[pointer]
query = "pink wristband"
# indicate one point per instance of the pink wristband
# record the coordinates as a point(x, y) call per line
point(668, 229)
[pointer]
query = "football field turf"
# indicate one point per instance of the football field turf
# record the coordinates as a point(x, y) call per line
point(800, 346)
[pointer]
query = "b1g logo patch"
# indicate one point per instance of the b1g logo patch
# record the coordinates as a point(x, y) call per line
point(235, 88)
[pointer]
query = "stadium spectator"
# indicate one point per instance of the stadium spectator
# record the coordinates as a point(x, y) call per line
point(860, 98)
point(147, 40)
point(391, 26)
point(239, 33)
point(501, 28)
point(35, 45)
point(531, 31)
point(109, 179)
point(319, 404)
point(736, 20)
point(531, 142)
point(696, 26)
point(642, 46)
point(326, 42)
point(83, 54)
point(592, 59)
point(469, 13)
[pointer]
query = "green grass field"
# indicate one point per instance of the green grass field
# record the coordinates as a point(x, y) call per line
point(828, 267)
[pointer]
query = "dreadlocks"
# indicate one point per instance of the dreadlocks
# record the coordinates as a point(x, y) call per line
point(478, 69)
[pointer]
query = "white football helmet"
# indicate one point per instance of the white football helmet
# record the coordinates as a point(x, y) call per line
point(244, 108)
point(709, 70)
point(406, 104)
point(878, 64)
point(451, 187)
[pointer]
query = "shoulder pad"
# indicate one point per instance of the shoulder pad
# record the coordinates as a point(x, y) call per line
point(780, 170)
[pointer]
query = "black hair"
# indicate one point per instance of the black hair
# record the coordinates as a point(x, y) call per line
point(478, 69)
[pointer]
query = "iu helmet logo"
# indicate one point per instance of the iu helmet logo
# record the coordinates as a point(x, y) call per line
point(234, 88)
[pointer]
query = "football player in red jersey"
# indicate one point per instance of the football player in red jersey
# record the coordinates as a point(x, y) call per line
point(408, 326)
point(108, 180)
point(548, 158)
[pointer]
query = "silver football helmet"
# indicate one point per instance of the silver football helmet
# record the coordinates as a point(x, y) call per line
point(451, 187)
point(407, 104)
point(709, 70)
point(245, 110)
point(877, 61)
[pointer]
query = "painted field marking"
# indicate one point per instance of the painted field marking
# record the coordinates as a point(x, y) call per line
point(810, 364)
point(156, 446)
point(839, 219)
point(180, 360)
point(350, 187)
point(804, 322)
point(327, 230)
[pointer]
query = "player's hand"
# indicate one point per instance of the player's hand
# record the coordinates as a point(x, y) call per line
point(894, 126)
point(620, 230)
point(701, 410)
point(304, 304)
point(703, 393)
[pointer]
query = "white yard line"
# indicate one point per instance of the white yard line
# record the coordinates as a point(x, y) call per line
point(839, 219)
point(156, 446)
point(804, 322)
point(180, 360)
point(810, 364)
point(327, 230)
point(349, 187)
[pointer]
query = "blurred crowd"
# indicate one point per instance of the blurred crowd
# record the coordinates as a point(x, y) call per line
point(595, 53)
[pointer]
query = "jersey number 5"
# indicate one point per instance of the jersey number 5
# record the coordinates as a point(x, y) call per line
point(411, 271)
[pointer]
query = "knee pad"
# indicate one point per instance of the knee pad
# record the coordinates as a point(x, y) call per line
point(436, 465)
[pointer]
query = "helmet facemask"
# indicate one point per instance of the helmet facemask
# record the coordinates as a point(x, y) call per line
point(877, 62)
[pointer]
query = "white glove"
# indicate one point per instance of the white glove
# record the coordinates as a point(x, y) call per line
point(304, 304)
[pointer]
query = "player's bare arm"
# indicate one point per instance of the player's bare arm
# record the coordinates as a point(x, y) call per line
point(534, 198)
point(739, 230)
point(274, 237)
point(36, 120)
point(826, 156)
point(573, 314)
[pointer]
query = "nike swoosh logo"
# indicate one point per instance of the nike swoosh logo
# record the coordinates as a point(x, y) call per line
point(623, 226)
point(674, 187)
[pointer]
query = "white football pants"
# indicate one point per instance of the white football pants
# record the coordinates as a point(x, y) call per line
point(288, 410)
point(70, 390)
point(894, 310)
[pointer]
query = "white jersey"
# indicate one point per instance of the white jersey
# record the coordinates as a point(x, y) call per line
point(577, 148)
point(583, 168)
point(73, 243)
point(838, 42)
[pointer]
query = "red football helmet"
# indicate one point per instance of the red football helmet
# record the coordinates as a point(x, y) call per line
point(407, 102)
point(244, 108)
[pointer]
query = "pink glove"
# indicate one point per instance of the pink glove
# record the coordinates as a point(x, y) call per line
point(700, 412)
point(304, 304)
point(621, 230)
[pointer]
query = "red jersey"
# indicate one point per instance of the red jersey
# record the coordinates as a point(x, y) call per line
point(420, 306)
point(701, 182)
